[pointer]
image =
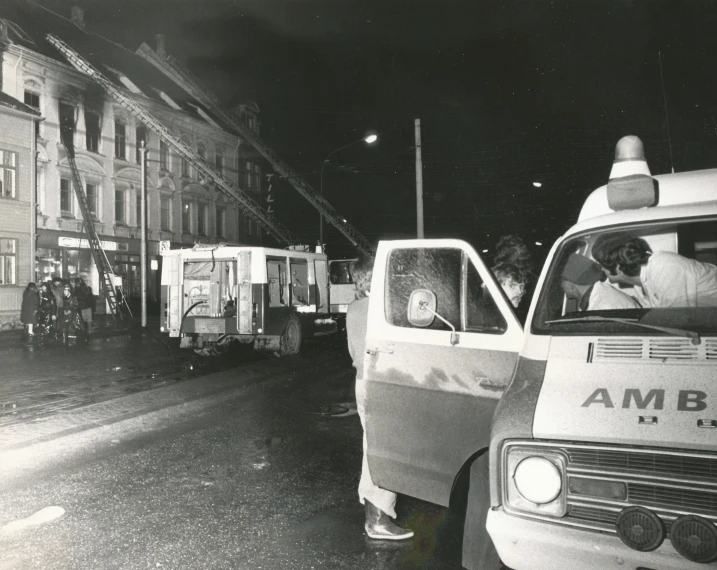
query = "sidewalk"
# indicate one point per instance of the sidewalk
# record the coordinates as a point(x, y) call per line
point(103, 327)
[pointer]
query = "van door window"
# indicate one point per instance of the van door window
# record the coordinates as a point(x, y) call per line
point(461, 296)
point(276, 278)
point(299, 282)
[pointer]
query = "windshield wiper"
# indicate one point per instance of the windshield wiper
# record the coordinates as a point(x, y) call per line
point(692, 335)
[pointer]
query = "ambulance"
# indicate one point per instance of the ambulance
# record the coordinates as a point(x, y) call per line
point(587, 440)
point(214, 294)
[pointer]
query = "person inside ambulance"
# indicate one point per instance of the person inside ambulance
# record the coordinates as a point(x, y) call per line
point(665, 278)
point(583, 280)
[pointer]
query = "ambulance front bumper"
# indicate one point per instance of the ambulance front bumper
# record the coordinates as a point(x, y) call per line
point(527, 544)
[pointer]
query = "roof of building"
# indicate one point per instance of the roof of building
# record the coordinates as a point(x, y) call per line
point(29, 23)
point(8, 101)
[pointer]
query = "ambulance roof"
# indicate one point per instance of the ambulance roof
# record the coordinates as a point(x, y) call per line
point(683, 188)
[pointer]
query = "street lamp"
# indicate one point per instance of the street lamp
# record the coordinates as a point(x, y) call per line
point(370, 139)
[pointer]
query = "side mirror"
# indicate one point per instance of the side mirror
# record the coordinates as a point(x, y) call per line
point(421, 308)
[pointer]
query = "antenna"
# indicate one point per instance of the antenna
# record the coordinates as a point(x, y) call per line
point(667, 118)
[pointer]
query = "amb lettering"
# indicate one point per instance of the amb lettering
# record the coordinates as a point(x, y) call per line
point(687, 400)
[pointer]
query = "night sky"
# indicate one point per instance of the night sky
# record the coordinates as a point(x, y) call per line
point(507, 92)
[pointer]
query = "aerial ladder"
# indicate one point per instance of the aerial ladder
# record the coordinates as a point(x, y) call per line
point(104, 268)
point(282, 168)
point(250, 206)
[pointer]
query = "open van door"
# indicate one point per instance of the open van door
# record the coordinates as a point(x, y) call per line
point(441, 345)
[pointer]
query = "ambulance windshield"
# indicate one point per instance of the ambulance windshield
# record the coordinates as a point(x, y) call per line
point(635, 280)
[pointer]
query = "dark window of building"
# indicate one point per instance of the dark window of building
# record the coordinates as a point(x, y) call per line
point(220, 221)
point(202, 220)
point(67, 124)
point(163, 155)
point(120, 206)
point(165, 213)
point(92, 198)
point(92, 131)
point(8, 261)
point(120, 140)
point(187, 217)
point(32, 99)
point(65, 196)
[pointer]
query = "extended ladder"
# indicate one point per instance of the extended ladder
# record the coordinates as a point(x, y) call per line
point(281, 167)
point(104, 268)
point(252, 208)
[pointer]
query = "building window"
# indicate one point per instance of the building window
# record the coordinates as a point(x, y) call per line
point(120, 206)
point(185, 168)
point(165, 213)
point(92, 131)
point(65, 196)
point(8, 174)
point(220, 221)
point(250, 226)
point(67, 124)
point(219, 161)
point(91, 190)
point(163, 155)
point(120, 140)
point(256, 174)
point(138, 206)
point(202, 220)
point(33, 99)
point(8, 261)
point(141, 136)
point(202, 151)
point(187, 217)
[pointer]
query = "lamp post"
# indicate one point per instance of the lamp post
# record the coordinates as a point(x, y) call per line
point(370, 139)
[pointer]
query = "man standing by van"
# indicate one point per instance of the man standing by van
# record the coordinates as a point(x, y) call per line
point(667, 279)
point(379, 503)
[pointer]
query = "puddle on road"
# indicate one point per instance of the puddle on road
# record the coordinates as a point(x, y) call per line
point(52, 397)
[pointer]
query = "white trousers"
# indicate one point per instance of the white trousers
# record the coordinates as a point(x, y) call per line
point(381, 498)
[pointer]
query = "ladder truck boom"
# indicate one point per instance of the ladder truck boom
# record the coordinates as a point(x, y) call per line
point(280, 166)
point(250, 206)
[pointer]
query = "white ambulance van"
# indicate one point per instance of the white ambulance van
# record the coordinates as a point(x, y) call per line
point(589, 439)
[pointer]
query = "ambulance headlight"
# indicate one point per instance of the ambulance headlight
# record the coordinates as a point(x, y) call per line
point(538, 480)
point(534, 480)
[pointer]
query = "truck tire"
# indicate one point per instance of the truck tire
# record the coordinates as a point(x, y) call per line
point(291, 339)
point(478, 550)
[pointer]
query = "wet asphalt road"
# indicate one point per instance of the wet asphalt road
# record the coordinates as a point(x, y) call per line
point(260, 478)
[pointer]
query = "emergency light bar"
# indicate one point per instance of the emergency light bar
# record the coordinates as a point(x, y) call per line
point(631, 185)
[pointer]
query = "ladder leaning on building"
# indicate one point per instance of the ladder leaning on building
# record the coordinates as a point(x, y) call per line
point(104, 268)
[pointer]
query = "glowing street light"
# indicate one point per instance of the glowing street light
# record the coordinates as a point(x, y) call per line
point(537, 184)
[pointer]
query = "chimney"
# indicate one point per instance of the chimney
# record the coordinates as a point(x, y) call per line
point(161, 52)
point(78, 17)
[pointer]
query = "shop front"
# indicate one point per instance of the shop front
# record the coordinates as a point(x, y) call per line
point(68, 256)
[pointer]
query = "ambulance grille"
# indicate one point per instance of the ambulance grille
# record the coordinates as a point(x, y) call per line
point(711, 349)
point(673, 348)
point(656, 349)
point(618, 348)
point(683, 466)
point(669, 483)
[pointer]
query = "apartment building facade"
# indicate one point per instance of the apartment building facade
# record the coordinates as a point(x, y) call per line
point(182, 207)
point(17, 194)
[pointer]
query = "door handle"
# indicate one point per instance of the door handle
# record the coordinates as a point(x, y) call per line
point(488, 383)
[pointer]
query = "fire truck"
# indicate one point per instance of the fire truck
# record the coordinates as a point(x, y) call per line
point(272, 298)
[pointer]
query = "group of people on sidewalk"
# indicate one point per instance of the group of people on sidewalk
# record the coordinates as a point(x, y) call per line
point(58, 309)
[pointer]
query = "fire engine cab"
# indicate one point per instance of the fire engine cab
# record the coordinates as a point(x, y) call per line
point(589, 439)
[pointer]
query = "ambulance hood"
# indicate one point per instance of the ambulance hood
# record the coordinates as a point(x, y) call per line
point(651, 391)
